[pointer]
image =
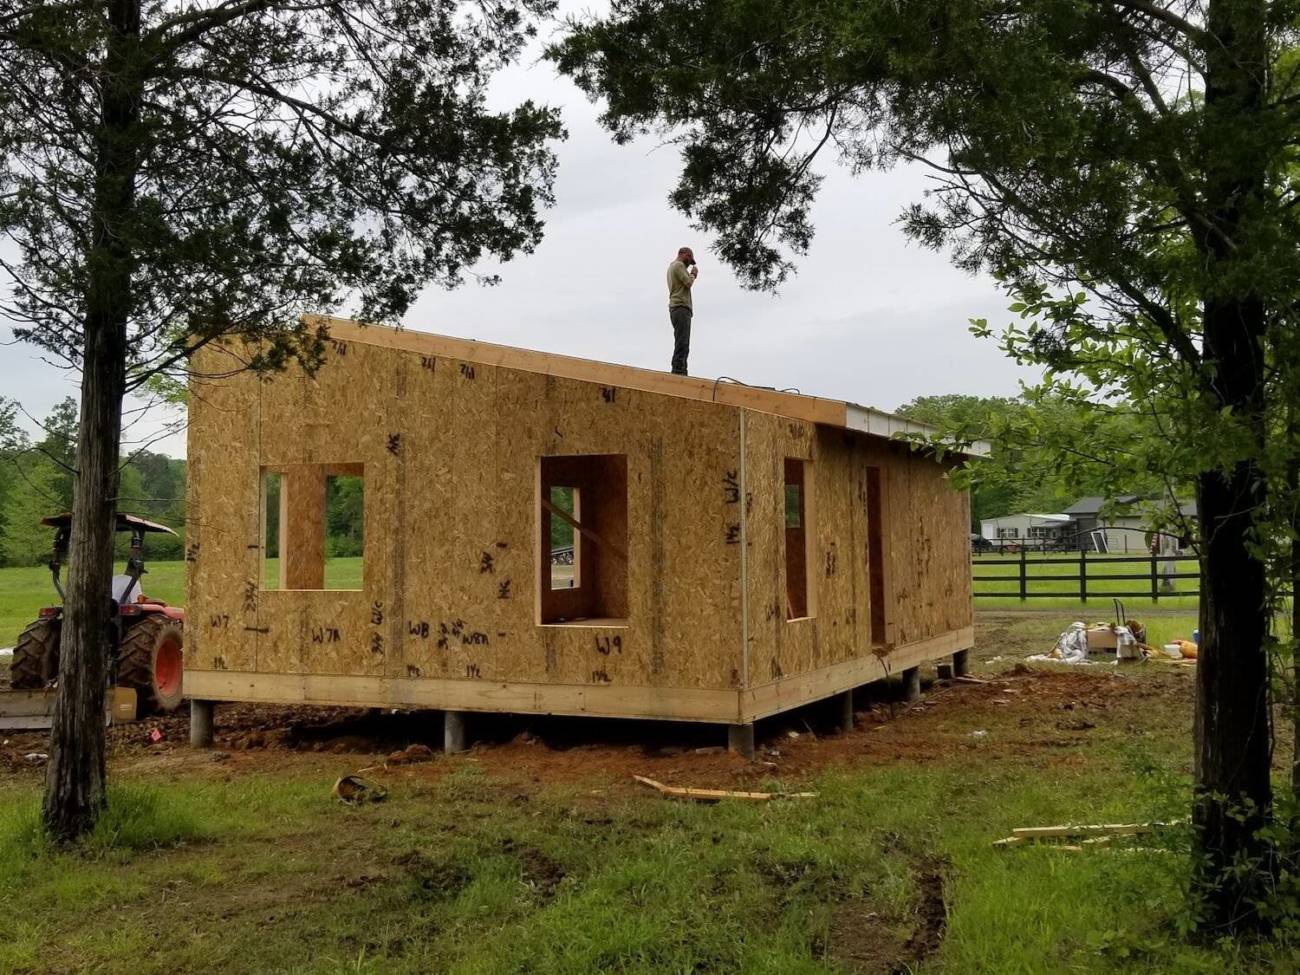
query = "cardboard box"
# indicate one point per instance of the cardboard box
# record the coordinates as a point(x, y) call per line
point(1102, 638)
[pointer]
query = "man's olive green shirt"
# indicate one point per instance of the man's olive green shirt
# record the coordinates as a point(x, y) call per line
point(679, 285)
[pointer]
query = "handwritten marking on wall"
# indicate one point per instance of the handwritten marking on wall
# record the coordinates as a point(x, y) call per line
point(730, 487)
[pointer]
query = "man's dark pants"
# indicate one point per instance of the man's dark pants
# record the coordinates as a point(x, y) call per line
point(680, 316)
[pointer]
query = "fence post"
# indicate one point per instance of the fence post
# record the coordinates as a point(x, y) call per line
point(1083, 575)
point(1155, 589)
point(1024, 587)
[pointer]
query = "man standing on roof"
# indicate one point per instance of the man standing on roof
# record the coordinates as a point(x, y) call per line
point(681, 278)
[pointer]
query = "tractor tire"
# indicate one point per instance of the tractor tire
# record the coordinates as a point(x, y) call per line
point(151, 661)
point(35, 663)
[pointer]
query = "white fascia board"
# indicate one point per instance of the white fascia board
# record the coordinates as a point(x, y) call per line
point(878, 423)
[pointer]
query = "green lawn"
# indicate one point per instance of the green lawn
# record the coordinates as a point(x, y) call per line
point(23, 591)
point(476, 865)
point(1045, 578)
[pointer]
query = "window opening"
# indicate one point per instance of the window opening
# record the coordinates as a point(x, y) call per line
point(566, 567)
point(313, 527)
point(876, 556)
point(798, 539)
point(582, 516)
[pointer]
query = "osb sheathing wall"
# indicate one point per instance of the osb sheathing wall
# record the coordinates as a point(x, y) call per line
point(450, 452)
point(448, 612)
point(926, 549)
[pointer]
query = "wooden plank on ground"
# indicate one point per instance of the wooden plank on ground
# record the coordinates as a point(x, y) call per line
point(1113, 829)
point(715, 795)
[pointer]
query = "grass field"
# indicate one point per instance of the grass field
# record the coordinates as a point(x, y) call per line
point(544, 858)
point(531, 857)
point(1045, 578)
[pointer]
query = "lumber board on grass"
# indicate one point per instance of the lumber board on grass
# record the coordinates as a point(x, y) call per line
point(715, 795)
point(1114, 829)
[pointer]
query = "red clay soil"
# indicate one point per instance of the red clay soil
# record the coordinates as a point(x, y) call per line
point(1039, 716)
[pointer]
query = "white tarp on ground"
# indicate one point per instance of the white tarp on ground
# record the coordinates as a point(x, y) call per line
point(6, 651)
point(1072, 647)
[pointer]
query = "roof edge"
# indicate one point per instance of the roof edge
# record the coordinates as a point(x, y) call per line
point(815, 409)
point(879, 423)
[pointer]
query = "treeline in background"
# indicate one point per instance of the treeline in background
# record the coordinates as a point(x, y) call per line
point(36, 481)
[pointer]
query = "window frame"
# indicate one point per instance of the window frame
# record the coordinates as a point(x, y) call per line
point(297, 481)
point(799, 542)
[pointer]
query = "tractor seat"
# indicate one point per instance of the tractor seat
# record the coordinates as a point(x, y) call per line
point(125, 589)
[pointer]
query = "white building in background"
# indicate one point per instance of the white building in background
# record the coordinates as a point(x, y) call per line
point(1025, 530)
point(1126, 529)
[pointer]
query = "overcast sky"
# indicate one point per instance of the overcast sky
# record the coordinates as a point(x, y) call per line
point(868, 317)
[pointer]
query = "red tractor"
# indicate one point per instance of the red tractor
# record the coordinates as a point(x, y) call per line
point(147, 637)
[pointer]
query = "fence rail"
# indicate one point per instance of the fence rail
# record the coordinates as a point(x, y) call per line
point(1160, 583)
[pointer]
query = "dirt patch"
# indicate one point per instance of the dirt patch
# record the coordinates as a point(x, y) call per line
point(1036, 714)
point(541, 873)
point(1043, 715)
point(866, 941)
point(433, 880)
point(411, 755)
point(931, 911)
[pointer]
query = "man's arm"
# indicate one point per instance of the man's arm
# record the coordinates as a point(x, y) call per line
point(684, 277)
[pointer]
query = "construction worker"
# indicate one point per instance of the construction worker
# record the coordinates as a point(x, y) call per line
point(682, 274)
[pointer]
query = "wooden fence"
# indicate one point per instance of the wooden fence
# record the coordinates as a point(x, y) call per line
point(1157, 582)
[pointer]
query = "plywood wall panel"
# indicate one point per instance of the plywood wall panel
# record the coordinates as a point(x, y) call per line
point(927, 570)
point(223, 514)
point(450, 452)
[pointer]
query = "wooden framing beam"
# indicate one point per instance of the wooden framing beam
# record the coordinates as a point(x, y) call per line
point(716, 705)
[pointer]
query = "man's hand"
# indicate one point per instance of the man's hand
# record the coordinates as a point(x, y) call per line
point(695, 270)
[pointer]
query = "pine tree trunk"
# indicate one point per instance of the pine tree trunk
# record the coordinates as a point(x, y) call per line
point(1233, 791)
point(1293, 484)
point(74, 783)
point(1233, 798)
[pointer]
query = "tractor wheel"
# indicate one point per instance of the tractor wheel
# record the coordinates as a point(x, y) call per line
point(35, 662)
point(151, 660)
